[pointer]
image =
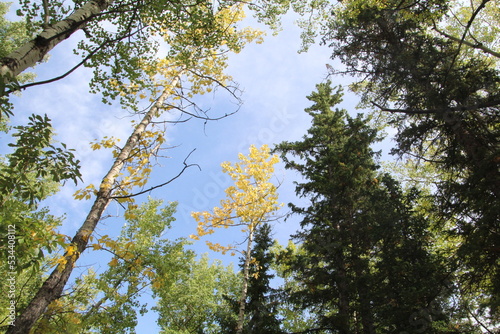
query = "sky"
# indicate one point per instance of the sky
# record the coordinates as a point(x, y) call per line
point(275, 80)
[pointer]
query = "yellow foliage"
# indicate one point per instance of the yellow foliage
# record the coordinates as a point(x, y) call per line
point(71, 250)
point(203, 50)
point(85, 193)
point(252, 200)
point(113, 262)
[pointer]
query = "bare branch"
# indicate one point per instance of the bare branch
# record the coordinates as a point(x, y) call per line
point(186, 166)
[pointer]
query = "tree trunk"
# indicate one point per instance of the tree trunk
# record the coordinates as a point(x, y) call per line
point(243, 297)
point(34, 51)
point(53, 287)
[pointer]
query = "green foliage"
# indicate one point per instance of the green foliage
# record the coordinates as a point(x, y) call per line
point(26, 281)
point(197, 301)
point(12, 35)
point(365, 260)
point(35, 158)
point(30, 174)
point(433, 66)
point(261, 303)
point(126, 54)
point(142, 260)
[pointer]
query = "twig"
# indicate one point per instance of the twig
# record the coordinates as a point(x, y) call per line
point(186, 166)
point(490, 104)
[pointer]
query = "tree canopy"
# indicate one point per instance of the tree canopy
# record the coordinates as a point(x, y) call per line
point(405, 246)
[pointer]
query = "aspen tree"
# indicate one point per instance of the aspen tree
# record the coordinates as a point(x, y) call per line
point(200, 60)
point(249, 203)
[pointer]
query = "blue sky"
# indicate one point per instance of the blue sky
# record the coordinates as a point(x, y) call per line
point(275, 80)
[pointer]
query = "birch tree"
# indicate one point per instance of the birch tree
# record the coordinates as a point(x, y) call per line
point(200, 59)
point(250, 202)
point(115, 37)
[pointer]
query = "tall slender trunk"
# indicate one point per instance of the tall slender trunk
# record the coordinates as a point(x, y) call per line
point(53, 287)
point(244, 289)
point(33, 51)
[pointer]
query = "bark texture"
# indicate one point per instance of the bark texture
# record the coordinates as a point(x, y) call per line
point(34, 51)
point(53, 287)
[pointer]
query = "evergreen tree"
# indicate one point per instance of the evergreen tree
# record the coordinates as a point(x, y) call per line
point(365, 264)
point(261, 308)
point(432, 67)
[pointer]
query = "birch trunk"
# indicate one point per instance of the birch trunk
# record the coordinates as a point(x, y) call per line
point(53, 287)
point(244, 289)
point(34, 51)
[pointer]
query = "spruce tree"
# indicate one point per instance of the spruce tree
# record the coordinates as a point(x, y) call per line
point(365, 264)
point(261, 308)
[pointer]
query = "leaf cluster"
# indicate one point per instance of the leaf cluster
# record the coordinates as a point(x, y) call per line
point(251, 201)
point(35, 157)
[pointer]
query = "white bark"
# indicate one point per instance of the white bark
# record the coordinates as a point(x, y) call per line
point(53, 287)
point(34, 51)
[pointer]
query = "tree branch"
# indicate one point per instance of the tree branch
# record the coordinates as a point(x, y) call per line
point(46, 15)
point(467, 27)
point(476, 45)
point(494, 103)
point(74, 68)
point(186, 166)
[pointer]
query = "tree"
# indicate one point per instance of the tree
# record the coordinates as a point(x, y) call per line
point(120, 53)
point(252, 201)
point(34, 158)
point(141, 259)
point(331, 147)
point(261, 309)
point(433, 67)
point(197, 300)
point(199, 63)
point(365, 263)
point(261, 303)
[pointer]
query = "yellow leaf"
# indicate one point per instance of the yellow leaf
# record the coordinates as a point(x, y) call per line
point(113, 262)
